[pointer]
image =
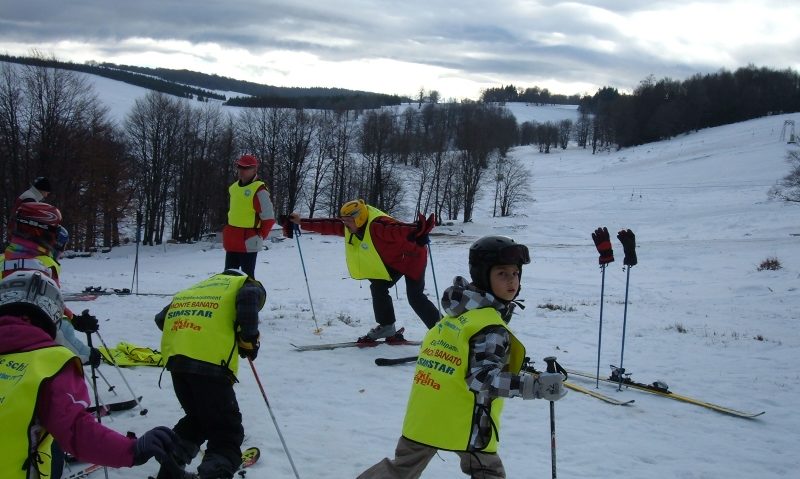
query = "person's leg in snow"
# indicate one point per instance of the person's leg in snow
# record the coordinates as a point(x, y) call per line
point(212, 414)
point(425, 309)
point(410, 459)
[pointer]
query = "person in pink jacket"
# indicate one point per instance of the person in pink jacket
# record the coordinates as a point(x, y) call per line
point(43, 395)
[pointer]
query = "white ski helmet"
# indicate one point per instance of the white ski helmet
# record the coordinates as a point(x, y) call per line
point(32, 294)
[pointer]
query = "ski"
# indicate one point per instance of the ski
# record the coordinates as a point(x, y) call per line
point(356, 344)
point(107, 408)
point(101, 291)
point(83, 472)
point(79, 297)
point(394, 361)
point(661, 390)
point(597, 395)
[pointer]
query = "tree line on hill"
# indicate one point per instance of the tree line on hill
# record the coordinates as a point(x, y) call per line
point(171, 160)
point(201, 86)
point(662, 109)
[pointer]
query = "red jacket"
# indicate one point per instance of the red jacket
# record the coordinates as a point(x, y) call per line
point(390, 238)
point(61, 405)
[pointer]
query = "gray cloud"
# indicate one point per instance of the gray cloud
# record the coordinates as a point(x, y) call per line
point(523, 41)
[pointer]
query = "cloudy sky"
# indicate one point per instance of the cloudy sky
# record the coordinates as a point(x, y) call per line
point(457, 47)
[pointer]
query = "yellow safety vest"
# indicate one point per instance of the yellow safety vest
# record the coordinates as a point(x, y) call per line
point(26, 445)
point(441, 406)
point(242, 213)
point(200, 322)
point(42, 263)
point(363, 260)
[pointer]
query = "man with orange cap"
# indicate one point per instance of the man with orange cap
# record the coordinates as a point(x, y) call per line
point(381, 249)
point(250, 217)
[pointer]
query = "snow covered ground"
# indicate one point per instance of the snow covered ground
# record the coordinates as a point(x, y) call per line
point(700, 317)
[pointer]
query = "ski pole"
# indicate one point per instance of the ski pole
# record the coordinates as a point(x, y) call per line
point(110, 387)
point(551, 368)
point(94, 388)
point(142, 411)
point(433, 271)
point(624, 321)
point(274, 421)
point(308, 288)
point(94, 379)
point(600, 331)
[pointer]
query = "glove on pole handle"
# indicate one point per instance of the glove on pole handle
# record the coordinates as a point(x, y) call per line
point(551, 368)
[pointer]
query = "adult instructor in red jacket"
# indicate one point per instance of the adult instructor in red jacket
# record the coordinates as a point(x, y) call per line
point(250, 217)
point(381, 249)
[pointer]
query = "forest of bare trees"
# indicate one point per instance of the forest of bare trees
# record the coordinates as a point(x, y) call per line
point(171, 160)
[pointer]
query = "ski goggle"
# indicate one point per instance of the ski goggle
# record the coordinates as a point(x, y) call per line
point(513, 254)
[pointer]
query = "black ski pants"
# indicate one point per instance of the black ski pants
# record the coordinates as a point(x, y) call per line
point(212, 414)
point(383, 307)
point(245, 261)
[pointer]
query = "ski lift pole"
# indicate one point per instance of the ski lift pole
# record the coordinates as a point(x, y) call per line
point(142, 411)
point(274, 421)
point(600, 330)
point(624, 322)
point(308, 288)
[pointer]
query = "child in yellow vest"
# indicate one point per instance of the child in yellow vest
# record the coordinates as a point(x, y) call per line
point(467, 364)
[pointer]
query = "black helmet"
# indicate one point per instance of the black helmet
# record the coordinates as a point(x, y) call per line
point(491, 251)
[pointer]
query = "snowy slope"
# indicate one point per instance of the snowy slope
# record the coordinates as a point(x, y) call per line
point(703, 223)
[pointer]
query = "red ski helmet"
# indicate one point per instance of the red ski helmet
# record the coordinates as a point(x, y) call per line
point(39, 215)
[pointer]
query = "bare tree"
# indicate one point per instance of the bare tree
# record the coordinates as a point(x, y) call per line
point(296, 138)
point(154, 127)
point(512, 184)
point(377, 135)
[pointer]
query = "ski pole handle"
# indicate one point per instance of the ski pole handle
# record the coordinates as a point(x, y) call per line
point(551, 364)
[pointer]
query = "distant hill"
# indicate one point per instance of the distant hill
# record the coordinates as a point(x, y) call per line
point(191, 84)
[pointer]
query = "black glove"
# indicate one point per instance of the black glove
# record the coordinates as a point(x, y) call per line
point(157, 442)
point(85, 323)
point(628, 240)
point(94, 358)
point(248, 348)
point(286, 225)
point(603, 243)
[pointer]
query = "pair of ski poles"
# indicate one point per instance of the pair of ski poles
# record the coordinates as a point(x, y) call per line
point(624, 324)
